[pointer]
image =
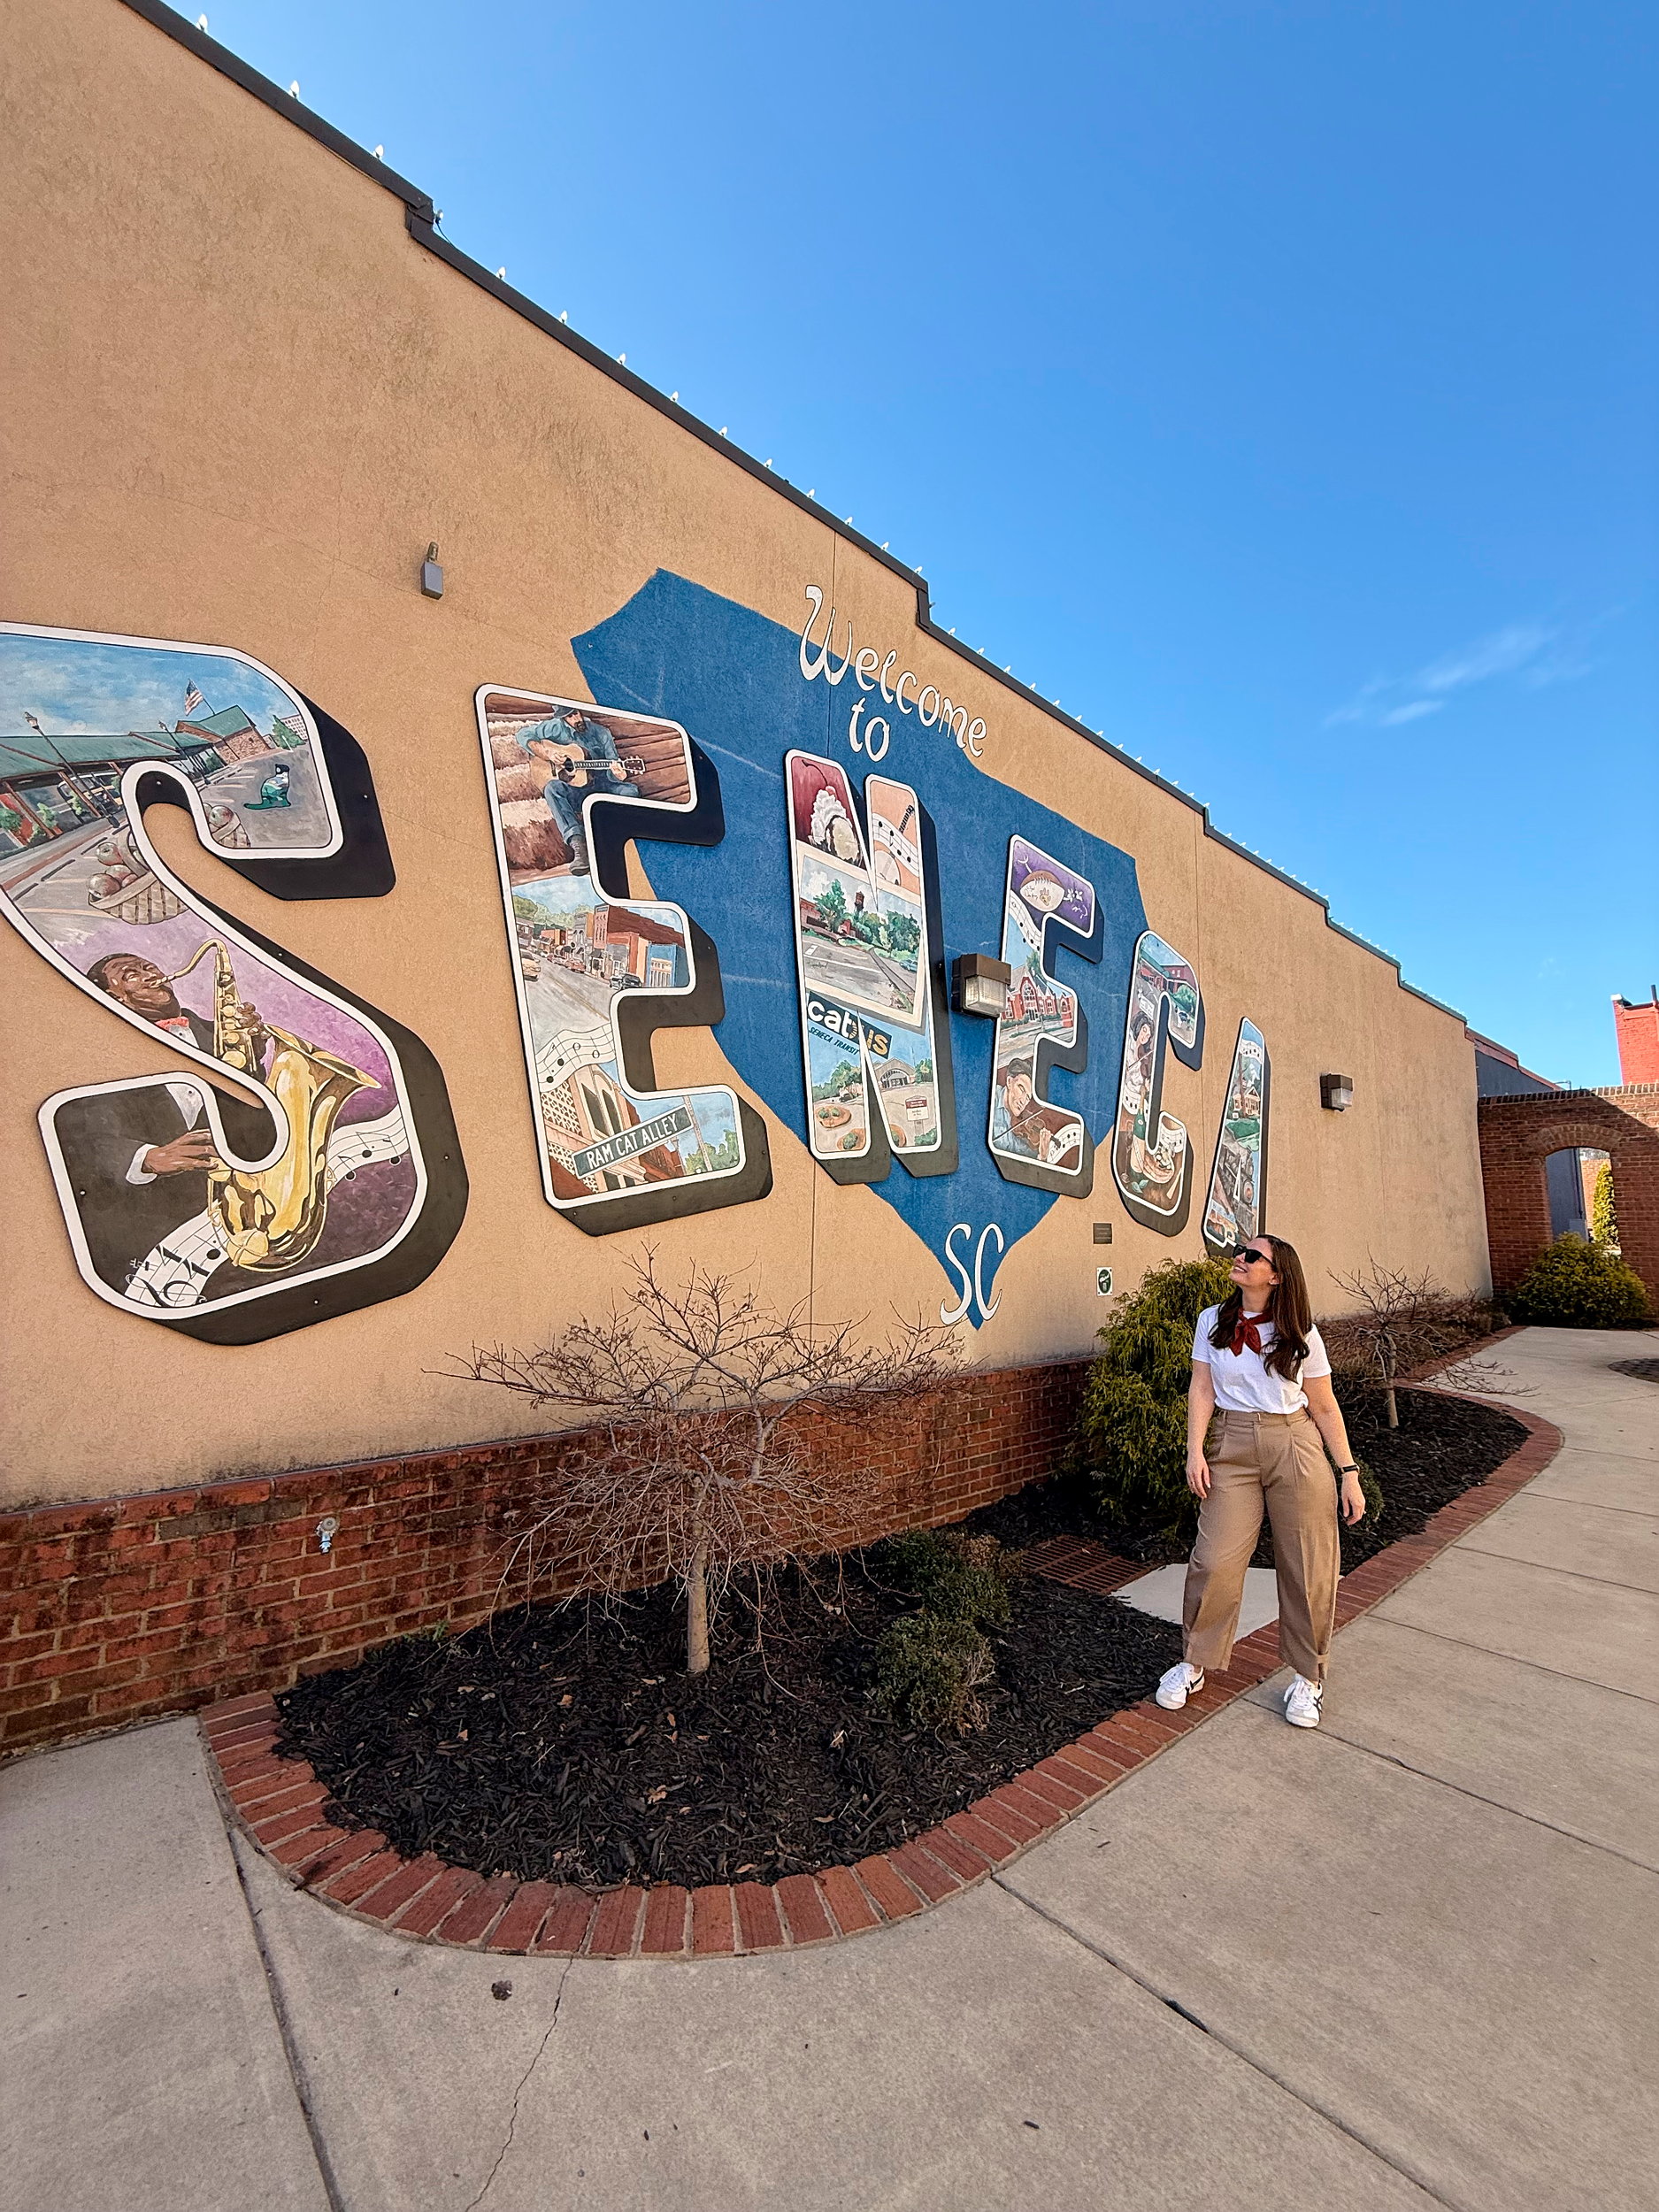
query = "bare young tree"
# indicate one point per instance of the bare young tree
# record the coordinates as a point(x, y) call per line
point(1403, 1321)
point(724, 1432)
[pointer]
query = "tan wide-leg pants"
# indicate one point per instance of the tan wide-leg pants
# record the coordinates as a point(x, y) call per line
point(1278, 1458)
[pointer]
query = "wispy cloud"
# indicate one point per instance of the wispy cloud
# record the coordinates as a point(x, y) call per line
point(1530, 653)
point(1413, 711)
point(80, 689)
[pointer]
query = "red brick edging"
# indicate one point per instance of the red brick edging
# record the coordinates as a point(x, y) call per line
point(279, 1803)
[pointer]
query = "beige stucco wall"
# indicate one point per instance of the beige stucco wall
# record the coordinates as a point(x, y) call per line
point(241, 401)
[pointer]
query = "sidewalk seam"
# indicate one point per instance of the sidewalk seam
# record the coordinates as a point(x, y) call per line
point(1460, 1789)
point(1594, 1505)
point(1543, 1567)
point(1462, 1643)
point(1601, 1451)
point(285, 2029)
point(1216, 2035)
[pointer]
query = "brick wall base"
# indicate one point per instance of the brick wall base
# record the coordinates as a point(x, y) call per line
point(120, 1608)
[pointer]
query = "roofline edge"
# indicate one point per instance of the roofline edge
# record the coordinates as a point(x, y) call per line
point(422, 220)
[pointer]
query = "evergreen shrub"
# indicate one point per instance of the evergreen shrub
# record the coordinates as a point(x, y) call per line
point(1133, 1427)
point(931, 1665)
point(1578, 1286)
point(1603, 1219)
point(930, 1668)
point(1370, 1489)
point(965, 1578)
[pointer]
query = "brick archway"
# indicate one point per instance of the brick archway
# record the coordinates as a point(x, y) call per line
point(1518, 1134)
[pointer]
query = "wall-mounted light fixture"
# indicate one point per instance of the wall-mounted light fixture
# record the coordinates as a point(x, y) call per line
point(978, 984)
point(431, 574)
point(1336, 1093)
point(327, 1529)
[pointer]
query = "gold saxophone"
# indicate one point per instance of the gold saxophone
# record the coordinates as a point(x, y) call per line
point(271, 1217)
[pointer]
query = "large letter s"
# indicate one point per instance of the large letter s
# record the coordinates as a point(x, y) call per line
point(217, 1210)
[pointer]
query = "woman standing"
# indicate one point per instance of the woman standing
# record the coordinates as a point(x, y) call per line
point(1261, 1375)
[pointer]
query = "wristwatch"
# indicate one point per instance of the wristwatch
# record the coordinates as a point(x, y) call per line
point(1350, 1470)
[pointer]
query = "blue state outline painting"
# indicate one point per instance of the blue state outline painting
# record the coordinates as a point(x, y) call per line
point(734, 679)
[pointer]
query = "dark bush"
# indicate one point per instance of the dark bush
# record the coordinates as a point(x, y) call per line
point(929, 1670)
point(1373, 1491)
point(931, 1665)
point(960, 1577)
point(1578, 1286)
point(1133, 1429)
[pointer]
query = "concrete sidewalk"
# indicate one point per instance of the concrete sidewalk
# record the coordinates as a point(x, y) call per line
point(1409, 1959)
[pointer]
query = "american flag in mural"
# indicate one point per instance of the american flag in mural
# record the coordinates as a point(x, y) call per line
point(193, 699)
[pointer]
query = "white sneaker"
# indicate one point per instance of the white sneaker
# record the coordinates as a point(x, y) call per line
point(1177, 1686)
point(1303, 1701)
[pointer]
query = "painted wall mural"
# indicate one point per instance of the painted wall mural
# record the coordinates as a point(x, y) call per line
point(330, 1176)
point(595, 971)
point(1151, 1153)
point(301, 1159)
point(872, 1015)
point(1043, 1026)
point(761, 702)
point(1238, 1181)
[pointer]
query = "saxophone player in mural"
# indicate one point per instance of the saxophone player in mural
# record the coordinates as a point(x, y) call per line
point(138, 984)
point(143, 1158)
point(145, 1161)
point(276, 1141)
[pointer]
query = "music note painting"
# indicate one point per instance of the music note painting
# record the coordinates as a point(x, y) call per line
point(182, 1193)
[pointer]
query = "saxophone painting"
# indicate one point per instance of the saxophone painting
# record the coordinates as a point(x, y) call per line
point(276, 1147)
point(269, 1218)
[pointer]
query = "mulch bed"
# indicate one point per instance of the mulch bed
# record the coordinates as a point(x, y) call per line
point(1443, 1447)
point(566, 1744)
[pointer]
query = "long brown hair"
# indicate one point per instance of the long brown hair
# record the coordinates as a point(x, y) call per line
point(1288, 1309)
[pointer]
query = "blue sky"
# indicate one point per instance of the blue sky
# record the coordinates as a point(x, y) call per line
point(77, 689)
point(1273, 384)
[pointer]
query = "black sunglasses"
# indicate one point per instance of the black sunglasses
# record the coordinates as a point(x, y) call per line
point(1249, 1252)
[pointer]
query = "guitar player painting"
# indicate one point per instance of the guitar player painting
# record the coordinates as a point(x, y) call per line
point(549, 758)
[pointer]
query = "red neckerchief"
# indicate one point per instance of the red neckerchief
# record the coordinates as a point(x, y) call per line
point(1247, 1330)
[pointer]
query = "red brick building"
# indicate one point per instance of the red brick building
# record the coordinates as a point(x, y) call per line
point(1638, 1027)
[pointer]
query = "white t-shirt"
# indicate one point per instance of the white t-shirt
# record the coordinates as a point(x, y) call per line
point(1243, 1382)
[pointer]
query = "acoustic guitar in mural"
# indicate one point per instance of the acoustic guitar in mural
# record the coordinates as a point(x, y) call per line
point(577, 769)
point(297, 1158)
